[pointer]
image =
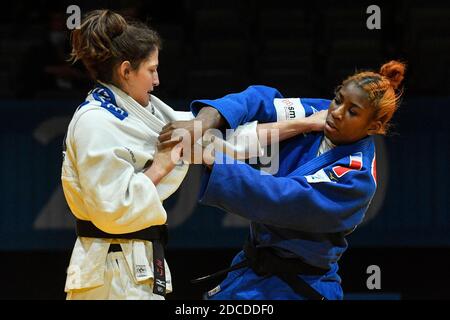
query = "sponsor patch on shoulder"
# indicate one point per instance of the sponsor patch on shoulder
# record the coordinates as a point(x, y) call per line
point(288, 108)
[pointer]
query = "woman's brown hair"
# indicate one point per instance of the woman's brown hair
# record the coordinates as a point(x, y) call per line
point(106, 39)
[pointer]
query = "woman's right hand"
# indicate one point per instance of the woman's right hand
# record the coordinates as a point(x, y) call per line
point(167, 156)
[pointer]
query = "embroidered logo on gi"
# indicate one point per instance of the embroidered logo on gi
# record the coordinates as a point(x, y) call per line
point(133, 158)
point(319, 176)
point(355, 164)
point(332, 177)
point(141, 270)
point(107, 100)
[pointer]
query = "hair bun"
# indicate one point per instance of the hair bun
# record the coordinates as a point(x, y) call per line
point(92, 43)
point(394, 71)
point(110, 23)
point(105, 25)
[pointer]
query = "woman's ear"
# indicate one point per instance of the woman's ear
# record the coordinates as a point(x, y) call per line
point(124, 70)
point(375, 127)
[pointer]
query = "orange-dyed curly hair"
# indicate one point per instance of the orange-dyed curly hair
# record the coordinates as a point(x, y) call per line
point(382, 89)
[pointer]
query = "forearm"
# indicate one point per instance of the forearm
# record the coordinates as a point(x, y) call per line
point(155, 173)
point(285, 129)
point(210, 118)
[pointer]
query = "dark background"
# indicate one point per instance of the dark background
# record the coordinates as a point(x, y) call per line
point(211, 48)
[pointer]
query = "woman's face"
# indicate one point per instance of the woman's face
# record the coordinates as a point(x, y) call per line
point(350, 116)
point(143, 80)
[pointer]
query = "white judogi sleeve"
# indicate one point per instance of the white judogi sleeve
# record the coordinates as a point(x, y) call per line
point(117, 199)
point(242, 143)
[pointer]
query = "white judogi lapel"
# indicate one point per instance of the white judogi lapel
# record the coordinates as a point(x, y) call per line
point(170, 183)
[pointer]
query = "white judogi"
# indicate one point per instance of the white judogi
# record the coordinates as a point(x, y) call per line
point(109, 141)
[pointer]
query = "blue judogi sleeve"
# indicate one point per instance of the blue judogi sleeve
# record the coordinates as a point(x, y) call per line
point(290, 202)
point(262, 104)
point(254, 103)
point(312, 105)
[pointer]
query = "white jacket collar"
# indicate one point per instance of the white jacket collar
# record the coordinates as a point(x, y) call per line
point(126, 102)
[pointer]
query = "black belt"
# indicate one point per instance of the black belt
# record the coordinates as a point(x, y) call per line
point(265, 262)
point(158, 235)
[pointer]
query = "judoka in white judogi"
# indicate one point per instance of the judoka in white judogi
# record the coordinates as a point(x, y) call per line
point(109, 143)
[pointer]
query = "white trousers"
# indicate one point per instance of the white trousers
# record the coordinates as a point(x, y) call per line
point(118, 284)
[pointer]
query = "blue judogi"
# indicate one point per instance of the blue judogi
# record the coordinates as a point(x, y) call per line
point(305, 210)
